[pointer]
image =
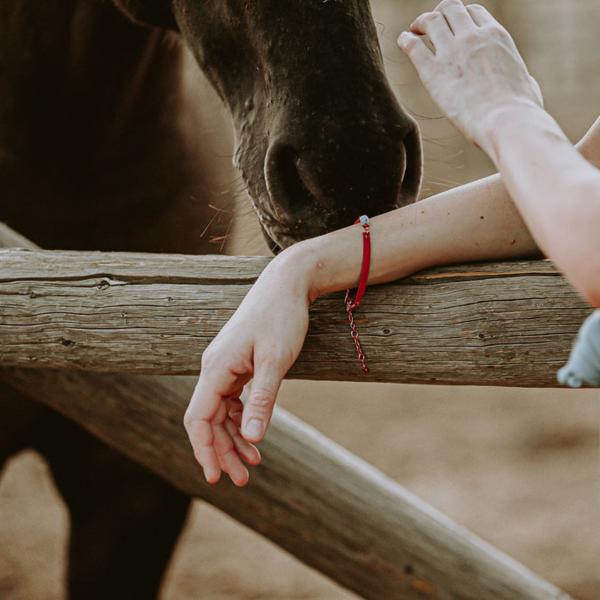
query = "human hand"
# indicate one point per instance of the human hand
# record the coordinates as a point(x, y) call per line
point(261, 342)
point(475, 71)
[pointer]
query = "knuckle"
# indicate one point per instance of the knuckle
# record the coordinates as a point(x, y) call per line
point(272, 359)
point(261, 400)
point(476, 7)
point(488, 31)
point(207, 357)
point(472, 37)
point(410, 44)
point(407, 41)
point(497, 30)
point(429, 16)
point(189, 418)
point(214, 359)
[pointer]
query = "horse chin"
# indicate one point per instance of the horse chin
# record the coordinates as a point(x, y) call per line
point(272, 242)
point(279, 238)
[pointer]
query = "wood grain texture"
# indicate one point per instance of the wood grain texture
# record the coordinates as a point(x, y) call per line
point(508, 324)
point(330, 509)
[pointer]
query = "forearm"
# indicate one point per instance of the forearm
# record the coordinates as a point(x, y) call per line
point(555, 189)
point(477, 221)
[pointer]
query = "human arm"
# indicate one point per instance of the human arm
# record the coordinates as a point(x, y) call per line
point(472, 222)
point(559, 198)
point(265, 335)
point(263, 338)
point(479, 80)
point(476, 221)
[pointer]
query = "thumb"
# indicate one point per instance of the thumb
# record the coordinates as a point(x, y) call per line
point(259, 406)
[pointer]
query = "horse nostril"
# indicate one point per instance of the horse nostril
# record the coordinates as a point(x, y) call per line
point(308, 179)
point(291, 183)
point(327, 184)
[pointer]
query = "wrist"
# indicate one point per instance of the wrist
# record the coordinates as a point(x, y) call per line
point(295, 268)
point(332, 262)
point(323, 264)
point(503, 122)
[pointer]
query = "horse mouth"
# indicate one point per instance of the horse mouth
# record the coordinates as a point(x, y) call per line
point(298, 202)
point(279, 236)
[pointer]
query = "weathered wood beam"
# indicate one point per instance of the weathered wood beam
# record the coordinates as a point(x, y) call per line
point(312, 497)
point(332, 510)
point(509, 324)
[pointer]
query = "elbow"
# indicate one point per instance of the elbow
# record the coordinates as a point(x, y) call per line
point(587, 248)
point(588, 283)
point(592, 295)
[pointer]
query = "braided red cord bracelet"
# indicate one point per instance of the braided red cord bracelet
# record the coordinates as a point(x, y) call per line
point(351, 305)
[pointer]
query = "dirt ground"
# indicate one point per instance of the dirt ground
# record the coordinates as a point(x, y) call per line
point(518, 467)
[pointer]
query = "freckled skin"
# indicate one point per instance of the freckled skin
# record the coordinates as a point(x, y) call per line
point(92, 156)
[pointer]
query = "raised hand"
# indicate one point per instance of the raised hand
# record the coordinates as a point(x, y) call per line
point(472, 68)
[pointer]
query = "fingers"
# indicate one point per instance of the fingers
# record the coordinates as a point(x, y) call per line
point(236, 409)
point(212, 387)
point(457, 15)
point(480, 15)
point(433, 25)
point(201, 437)
point(259, 406)
point(246, 450)
point(206, 409)
point(228, 457)
point(415, 48)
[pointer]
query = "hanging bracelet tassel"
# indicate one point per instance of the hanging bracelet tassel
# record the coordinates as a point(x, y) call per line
point(352, 305)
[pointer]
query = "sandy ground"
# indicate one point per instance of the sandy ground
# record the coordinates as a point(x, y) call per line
point(520, 468)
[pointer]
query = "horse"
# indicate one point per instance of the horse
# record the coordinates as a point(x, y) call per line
point(98, 150)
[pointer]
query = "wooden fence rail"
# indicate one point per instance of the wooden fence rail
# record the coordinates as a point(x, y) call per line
point(315, 499)
point(508, 324)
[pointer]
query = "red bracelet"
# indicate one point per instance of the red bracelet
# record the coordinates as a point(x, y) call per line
point(351, 305)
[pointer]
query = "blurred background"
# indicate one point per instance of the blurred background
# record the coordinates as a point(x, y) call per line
point(518, 467)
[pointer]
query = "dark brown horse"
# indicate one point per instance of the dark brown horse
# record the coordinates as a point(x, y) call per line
point(97, 152)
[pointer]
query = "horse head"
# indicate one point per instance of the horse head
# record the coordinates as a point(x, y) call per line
point(320, 136)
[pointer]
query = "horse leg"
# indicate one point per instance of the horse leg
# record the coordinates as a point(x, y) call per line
point(125, 521)
point(19, 417)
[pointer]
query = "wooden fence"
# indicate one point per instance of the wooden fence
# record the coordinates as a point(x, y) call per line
point(68, 313)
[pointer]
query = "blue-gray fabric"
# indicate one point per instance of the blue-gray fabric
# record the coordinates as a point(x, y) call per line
point(583, 367)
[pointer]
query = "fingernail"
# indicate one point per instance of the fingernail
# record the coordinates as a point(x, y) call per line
point(212, 480)
point(254, 428)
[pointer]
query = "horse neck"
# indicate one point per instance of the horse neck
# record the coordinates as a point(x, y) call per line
point(94, 144)
point(80, 73)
